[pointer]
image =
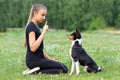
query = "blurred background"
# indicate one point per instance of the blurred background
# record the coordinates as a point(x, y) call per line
point(63, 14)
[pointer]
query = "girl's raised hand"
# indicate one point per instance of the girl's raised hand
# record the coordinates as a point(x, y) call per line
point(45, 27)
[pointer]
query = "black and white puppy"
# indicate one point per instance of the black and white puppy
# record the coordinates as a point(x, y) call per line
point(79, 56)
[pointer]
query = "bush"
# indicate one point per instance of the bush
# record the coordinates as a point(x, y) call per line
point(97, 23)
point(3, 29)
point(117, 22)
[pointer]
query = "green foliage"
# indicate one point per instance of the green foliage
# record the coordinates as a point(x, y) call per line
point(97, 23)
point(2, 17)
point(3, 29)
point(117, 22)
point(62, 14)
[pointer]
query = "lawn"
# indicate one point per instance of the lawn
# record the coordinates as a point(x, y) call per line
point(103, 47)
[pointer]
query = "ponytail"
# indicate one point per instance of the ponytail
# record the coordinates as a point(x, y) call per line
point(30, 15)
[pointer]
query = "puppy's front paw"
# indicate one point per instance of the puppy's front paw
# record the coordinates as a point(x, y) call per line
point(77, 73)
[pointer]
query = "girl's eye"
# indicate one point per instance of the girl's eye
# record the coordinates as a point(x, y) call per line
point(43, 14)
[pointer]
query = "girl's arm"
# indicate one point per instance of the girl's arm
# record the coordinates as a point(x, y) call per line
point(34, 44)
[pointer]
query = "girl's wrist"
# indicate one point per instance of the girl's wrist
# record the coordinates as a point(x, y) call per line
point(43, 33)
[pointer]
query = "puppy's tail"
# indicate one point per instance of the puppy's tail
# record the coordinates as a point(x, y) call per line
point(100, 69)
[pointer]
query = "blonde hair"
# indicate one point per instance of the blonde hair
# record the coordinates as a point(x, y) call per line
point(34, 8)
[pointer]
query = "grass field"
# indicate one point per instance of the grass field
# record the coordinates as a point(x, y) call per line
point(103, 47)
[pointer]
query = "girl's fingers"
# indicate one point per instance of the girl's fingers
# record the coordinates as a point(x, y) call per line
point(46, 22)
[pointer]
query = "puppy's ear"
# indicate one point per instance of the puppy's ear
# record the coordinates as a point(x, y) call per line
point(77, 30)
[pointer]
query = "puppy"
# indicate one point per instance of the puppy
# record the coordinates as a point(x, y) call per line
point(79, 56)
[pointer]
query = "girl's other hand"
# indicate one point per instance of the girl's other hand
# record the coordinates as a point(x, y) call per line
point(54, 59)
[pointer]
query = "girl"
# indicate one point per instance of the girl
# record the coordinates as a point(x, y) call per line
point(35, 56)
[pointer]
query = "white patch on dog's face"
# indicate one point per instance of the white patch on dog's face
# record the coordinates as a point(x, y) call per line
point(79, 40)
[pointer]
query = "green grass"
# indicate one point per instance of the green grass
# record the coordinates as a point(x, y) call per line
point(103, 47)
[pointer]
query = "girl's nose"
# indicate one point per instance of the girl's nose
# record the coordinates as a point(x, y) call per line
point(43, 17)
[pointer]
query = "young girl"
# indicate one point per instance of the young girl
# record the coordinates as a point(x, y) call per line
point(35, 56)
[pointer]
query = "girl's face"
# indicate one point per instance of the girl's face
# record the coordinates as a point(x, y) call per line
point(40, 15)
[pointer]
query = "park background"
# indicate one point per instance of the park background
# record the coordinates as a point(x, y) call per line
point(98, 21)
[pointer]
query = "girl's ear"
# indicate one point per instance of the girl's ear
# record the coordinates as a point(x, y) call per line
point(35, 13)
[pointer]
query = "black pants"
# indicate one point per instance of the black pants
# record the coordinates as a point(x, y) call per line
point(48, 66)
